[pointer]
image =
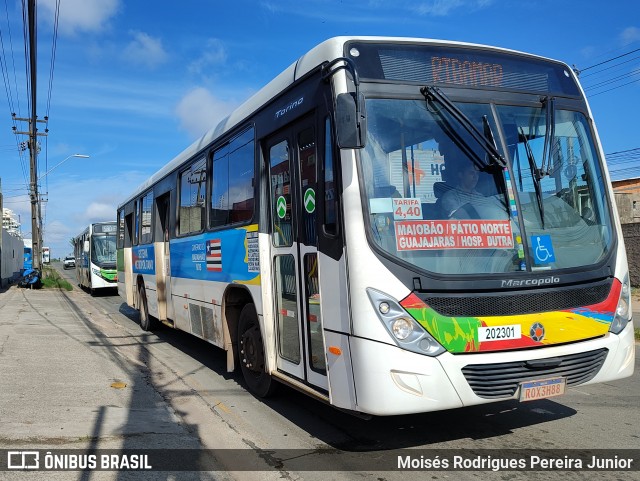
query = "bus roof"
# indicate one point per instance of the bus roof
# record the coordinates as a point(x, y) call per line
point(323, 52)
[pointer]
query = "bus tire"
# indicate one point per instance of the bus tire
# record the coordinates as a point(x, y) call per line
point(146, 322)
point(251, 354)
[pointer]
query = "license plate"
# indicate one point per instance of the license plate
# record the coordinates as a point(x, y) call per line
point(542, 389)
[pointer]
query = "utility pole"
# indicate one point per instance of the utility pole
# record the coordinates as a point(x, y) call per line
point(33, 150)
point(36, 218)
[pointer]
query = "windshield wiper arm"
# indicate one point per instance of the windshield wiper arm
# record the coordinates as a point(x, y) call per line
point(535, 174)
point(435, 94)
point(549, 135)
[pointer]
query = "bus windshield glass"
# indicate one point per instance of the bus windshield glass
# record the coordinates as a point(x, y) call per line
point(103, 250)
point(435, 201)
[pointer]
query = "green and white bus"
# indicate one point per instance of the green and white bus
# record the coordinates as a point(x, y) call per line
point(95, 253)
point(393, 226)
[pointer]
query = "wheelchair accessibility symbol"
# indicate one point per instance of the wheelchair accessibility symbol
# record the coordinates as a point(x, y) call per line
point(542, 249)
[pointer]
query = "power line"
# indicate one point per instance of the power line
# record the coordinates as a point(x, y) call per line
point(611, 67)
point(618, 163)
point(609, 60)
point(614, 79)
point(600, 84)
point(54, 43)
point(12, 98)
point(614, 88)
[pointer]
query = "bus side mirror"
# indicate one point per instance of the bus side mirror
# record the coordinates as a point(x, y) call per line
point(86, 246)
point(351, 121)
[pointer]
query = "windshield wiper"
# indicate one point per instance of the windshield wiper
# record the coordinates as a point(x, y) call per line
point(535, 174)
point(488, 135)
point(432, 94)
point(549, 134)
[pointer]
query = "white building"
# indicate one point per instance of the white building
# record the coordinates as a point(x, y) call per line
point(11, 223)
point(11, 248)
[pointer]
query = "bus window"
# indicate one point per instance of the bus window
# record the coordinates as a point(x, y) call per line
point(281, 194)
point(193, 183)
point(121, 228)
point(330, 193)
point(232, 196)
point(136, 225)
point(146, 236)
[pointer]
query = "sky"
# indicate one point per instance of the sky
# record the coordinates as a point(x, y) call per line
point(133, 83)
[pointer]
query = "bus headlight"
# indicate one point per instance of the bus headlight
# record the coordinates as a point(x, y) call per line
point(401, 328)
point(406, 332)
point(623, 311)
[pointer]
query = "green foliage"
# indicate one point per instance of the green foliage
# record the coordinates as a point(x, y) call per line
point(51, 280)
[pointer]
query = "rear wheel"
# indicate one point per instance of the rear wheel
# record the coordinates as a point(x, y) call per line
point(251, 354)
point(146, 321)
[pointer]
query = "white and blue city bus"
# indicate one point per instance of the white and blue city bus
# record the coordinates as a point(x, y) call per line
point(393, 226)
point(95, 254)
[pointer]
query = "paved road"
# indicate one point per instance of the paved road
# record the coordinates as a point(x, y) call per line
point(179, 395)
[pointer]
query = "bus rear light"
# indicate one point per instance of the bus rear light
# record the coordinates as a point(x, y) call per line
point(623, 310)
point(405, 331)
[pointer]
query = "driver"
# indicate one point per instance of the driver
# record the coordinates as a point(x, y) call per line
point(464, 191)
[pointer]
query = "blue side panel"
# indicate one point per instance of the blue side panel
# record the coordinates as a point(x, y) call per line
point(224, 256)
point(27, 264)
point(144, 260)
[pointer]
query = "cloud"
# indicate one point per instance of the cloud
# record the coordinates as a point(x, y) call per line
point(215, 54)
point(441, 8)
point(630, 35)
point(372, 9)
point(199, 111)
point(77, 201)
point(97, 212)
point(77, 16)
point(145, 50)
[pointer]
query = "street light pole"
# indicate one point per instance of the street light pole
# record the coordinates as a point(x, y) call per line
point(82, 156)
point(40, 239)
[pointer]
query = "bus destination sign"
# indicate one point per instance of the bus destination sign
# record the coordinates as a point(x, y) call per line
point(447, 70)
point(463, 66)
point(104, 228)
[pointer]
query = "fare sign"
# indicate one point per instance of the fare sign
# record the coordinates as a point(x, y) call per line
point(407, 208)
point(412, 235)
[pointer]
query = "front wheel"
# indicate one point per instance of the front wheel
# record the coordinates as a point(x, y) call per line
point(251, 354)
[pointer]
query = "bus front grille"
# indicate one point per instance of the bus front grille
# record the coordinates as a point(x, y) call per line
point(516, 303)
point(494, 381)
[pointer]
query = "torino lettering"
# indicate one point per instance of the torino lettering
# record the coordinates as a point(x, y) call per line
point(288, 108)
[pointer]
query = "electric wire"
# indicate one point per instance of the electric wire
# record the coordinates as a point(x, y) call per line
point(618, 163)
point(13, 99)
point(602, 78)
point(610, 68)
point(54, 43)
point(609, 60)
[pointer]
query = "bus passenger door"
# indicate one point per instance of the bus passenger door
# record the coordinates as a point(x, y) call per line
point(293, 186)
point(163, 269)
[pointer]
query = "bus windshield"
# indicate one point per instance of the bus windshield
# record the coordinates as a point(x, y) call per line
point(103, 250)
point(434, 200)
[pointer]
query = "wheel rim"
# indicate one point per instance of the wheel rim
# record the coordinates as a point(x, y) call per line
point(252, 353)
